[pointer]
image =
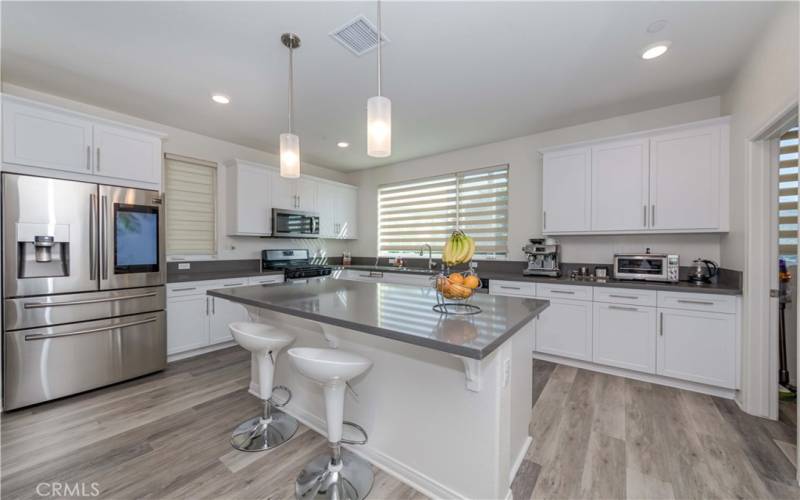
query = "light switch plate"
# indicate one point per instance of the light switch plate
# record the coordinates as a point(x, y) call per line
point(184, 265)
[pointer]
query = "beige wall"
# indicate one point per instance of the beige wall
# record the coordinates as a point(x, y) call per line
point(766, 83)
point(187, 143)
point(525, 191)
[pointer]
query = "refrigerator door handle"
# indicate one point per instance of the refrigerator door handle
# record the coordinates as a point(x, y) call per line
point(104, 237)
point(90, 330)
point(92, 237)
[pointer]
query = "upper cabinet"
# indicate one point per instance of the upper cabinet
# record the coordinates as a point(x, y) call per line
point(249, 205)
point(567, 195)
point(337, 206)
point(669, 181)
point(38, 136)
point(294, 194)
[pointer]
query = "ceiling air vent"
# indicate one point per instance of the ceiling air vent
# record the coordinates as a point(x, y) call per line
point(358, 35)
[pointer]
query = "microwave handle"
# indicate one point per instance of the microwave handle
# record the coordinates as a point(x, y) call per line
point(313, 225)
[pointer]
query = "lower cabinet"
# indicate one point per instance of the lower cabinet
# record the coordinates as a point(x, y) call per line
point(625, 336)
point(698, 346)
point(223, 313)
point(565, 329)
point(187, 323)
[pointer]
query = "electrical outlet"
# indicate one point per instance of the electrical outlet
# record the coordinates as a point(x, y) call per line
point(506, 372)
point(184, 266)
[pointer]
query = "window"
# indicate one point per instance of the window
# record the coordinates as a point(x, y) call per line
point(190, 187)
point(413, 213)
point(787, 196)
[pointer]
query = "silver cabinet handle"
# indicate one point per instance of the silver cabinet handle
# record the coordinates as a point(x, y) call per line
point(184, 289)
point(629, 297)
point(44, 336)
point(544, 222)
point(213, 305)
point(92, 237)
point(510, 287)
point(88, 157)
point(234, 284)
point(661, 324)
point(41, 305)
point(567, 292)
point(645, 216)
point(104, 237)
point(207, 306)
point(98, 159)
point(695, 302)
point(653, 215)
point(618, 308)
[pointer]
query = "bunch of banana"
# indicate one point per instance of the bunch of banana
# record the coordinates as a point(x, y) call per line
point(458, 249)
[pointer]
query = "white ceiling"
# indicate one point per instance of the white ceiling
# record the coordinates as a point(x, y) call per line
point(458, 73)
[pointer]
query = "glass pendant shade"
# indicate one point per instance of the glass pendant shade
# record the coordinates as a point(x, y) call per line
point(290, 156)
point(379, 127)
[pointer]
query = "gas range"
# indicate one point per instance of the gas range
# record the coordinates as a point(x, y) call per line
point(295, 264)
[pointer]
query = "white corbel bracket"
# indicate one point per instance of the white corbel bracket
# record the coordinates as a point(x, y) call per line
point(328, 332)
point(472, 373)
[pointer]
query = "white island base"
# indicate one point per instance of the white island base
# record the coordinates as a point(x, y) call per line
point(447, 434)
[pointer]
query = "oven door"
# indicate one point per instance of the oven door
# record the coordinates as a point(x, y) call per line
point(131, 238)
point(640, 267)
point(294, 224)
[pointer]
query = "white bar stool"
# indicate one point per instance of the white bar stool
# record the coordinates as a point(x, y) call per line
point(340, 475)
point(274, 427)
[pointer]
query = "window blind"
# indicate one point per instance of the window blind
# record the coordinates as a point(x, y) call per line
point(191, 188)
point(425, 211)
point(788, 196)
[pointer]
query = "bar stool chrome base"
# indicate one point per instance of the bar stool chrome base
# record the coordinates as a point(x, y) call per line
point(259, 434)
point(322, 479)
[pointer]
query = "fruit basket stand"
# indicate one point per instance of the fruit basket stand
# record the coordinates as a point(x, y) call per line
point(452, 305)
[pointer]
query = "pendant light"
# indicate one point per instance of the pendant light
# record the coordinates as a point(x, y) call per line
point(379, 113)
point(290, 143)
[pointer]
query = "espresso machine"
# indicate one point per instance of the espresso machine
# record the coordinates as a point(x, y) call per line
point(542, 257)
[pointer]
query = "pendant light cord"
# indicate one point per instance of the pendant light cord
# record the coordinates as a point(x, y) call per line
point(380, 39)
point(291, 90)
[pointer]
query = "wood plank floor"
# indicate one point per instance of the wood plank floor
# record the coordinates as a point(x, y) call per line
point(595, 436)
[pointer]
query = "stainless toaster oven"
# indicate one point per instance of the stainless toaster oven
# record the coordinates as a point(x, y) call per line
point(647, 267)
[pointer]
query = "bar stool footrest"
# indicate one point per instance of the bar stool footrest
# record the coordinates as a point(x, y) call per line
point(283, 403)
point(359, 429)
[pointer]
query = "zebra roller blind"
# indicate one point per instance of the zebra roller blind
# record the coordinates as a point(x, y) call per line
point(191, 197)
point(788, 196)
point(413, 213)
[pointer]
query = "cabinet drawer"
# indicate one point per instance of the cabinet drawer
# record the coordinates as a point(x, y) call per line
point(549, 290)
point(184, 289)
point(512, 288)
point(625, 296)
point(697, 302)
point(263, 280)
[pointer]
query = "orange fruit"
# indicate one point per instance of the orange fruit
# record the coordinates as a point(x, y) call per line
point(456, 278)
point(472, 281)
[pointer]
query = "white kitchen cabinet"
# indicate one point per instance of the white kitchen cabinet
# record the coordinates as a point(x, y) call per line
point(327, 204)
point(346, 223)
point(187, 323)
point(624, 336)
point(248, 200)
point(126, 154)
point(512, 288)
point(698, 346)
point(46, 138)
point(293, 194)
point(306, 190)
point(565, 329)
point(567, 193)
point(685, 180)
point(265, 280)
point(223, 313)
point(620, 184)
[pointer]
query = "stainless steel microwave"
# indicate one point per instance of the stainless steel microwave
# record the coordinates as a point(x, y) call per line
point(294, 224)
point(647, 267)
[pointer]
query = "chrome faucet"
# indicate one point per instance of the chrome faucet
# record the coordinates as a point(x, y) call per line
point(430, 258)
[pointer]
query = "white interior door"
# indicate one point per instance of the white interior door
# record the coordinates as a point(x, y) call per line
point(620, 185)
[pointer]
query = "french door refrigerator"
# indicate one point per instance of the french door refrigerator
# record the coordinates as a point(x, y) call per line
point(83, 287)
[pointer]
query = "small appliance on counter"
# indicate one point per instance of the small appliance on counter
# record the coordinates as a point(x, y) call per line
point(703, 271)
point(542, 257)
point(295, 264)
point(647, 267)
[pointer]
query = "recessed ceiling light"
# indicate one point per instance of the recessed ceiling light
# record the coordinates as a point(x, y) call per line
point(220, 99)
point(343, 144)
point(656, 49)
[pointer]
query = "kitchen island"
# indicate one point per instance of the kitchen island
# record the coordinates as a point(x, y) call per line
point(447, 401)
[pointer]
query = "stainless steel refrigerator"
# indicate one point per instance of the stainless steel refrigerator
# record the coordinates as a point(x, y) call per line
point(83, 287)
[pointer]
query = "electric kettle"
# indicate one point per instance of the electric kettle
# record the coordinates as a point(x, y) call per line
point(702, 271)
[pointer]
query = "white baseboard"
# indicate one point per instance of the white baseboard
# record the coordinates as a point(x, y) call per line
point(410, 476)
point(644, 377)
point(202, 350)
point(518, 461)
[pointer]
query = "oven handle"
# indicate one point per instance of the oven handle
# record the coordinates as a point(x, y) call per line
point(104, 237)
point(43, 336)
point(40, 305)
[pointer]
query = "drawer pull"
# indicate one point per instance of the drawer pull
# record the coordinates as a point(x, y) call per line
point(184, 289)
point(234, 284)
point(629, 297)
point(510, 287)
point(41, 305)
point(90, 330)
point(695, 302)
point(618, 308)
point(661, 324)
point(566, 292)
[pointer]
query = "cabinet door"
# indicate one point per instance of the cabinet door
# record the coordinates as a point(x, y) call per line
point(697, 346)
point(126, 154)
point(625, 336)
point(565, 329)
point(43, 138)
point(327, 201)
point(306, 194)
point(566, 178)
point(347, 214)
point(283, 192)
point(685, 180)
point(248, 200)
point(187, 323)
point(620, 183)
point(223, 313)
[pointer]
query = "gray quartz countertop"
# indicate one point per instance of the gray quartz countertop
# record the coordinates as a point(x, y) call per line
point(397, 312)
